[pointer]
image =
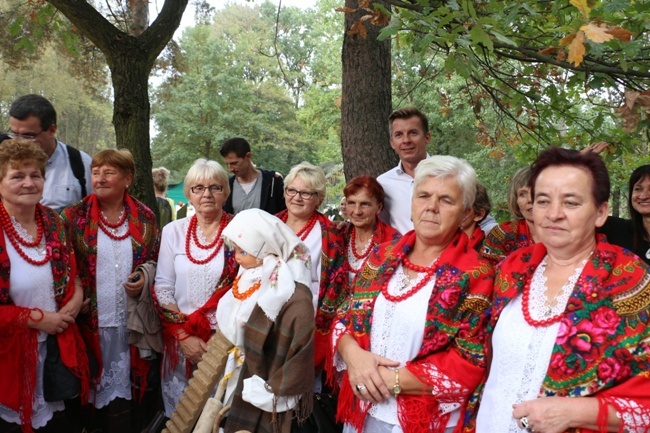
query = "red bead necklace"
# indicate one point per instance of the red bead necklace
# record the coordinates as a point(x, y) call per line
point(216, 243)
point(429, 270)
point(248, 293)
point(304, 232)
point(105, 225)
point(525, 306)
point(18, 242)
point(353, 242)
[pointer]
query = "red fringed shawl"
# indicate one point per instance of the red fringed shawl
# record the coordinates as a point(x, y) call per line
point(18, 342)
point(197, 323)
point(477, 238)
point(602, 346)
point(453, 331)
point(381, 233)
point(506, 238)
point(334, 288)
point(81, 220)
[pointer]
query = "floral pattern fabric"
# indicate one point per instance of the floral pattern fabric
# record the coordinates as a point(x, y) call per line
point(504, 239)
point(601, 348)
point(453, 330)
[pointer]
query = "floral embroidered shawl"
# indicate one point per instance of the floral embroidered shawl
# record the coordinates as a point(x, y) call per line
point(504, 239)
point(197, 323)
point(334, 288)
point(602, 347)
point(82, 223)
point(454, 330)
point(18, 342)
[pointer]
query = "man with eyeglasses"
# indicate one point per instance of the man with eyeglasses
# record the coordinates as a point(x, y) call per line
point(250, 187)
point(67, 173)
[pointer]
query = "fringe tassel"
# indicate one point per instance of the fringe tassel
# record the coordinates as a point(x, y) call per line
point(418, 414)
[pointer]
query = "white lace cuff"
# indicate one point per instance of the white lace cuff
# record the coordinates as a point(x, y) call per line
point(259, 394)
point(635, 418)
point(337, 332)
point(445, 388)
point(165, 295)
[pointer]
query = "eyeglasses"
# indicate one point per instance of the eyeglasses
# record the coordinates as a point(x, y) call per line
point(26, 136)
point(305, 195)
point(200, 189)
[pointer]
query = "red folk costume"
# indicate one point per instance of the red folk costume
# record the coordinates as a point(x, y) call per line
point(601, 349)
point(477, 238)
point(506, 238)
point(334, 289)
point(197, 323)
point(452, 345)
point(18, 342)
point(82, 223)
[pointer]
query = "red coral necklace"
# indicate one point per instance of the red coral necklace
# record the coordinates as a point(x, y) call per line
point(215, 244)
point(353, 244)
point(304, 232)
point(105, 225)
point(428, 270)
point(19, 242)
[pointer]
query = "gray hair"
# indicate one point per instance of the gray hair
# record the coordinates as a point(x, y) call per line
point(204, 169)
point(445, 166)
point(312, 175)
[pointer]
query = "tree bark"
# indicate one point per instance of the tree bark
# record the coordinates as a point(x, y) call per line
point(366, 101)
point(130, 59)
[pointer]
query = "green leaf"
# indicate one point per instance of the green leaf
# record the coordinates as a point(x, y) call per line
point(479, 37)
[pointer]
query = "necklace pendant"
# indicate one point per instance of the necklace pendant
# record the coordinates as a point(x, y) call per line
point(647, 254)
point(406, 281)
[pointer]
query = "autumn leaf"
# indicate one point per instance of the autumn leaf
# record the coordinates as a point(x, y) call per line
point(582, 6)
point(620, 34)
point(596, 33)
point(548, 51)
point(577, 49)
point(345, 10)
point(358, 29)
point(567, 40)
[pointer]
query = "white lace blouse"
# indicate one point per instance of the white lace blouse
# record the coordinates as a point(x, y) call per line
point(180, 281)
point(521, 355)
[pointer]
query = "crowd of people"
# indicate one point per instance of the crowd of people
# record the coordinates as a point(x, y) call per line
point(418, 313)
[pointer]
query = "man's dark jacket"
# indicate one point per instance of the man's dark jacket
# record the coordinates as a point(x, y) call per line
point(271, 196)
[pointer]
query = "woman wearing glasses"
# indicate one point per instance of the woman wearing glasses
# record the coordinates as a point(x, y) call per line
point(304, 191)
point(192, 266)
point(112, 234)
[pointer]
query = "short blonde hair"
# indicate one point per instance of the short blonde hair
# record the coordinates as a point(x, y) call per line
point(204, 169)
point(519, 180)
point(312, 175)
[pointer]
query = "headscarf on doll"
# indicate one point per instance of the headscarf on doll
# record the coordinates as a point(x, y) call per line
point(285, 259)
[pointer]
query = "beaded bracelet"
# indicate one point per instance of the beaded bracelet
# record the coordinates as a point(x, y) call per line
point(40, 319)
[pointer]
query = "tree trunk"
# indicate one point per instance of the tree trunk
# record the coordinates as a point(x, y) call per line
point(131, 109)
point(366, 101)
point(130, 59)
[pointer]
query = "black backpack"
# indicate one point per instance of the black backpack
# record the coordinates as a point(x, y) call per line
point(77, 166)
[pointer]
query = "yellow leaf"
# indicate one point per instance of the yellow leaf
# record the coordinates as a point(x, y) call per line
point(596, 33)
point(577, 49)
point(582, 6)
point(567, 40)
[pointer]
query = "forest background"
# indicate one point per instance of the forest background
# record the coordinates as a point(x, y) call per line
point(274, 76)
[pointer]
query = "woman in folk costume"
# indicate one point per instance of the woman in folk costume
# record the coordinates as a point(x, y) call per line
point(569, 326)
point(411, 343)
point(269, 317)
point(480, 210)
point(518, 233)
point(193, 266)
point(112, 234)
point(304, 191)
point(364, 199)
point(38, 294)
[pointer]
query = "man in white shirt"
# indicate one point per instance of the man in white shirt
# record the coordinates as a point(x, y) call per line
point(67, 173)
point(409, 137)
